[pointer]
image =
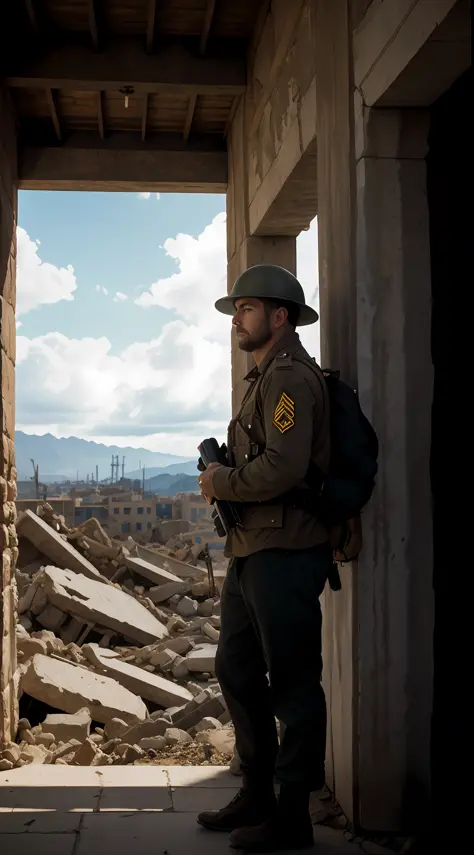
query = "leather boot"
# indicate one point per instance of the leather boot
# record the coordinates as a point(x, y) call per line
point(252, 805)
point(290, 827)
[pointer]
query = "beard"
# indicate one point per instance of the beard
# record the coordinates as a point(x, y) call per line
point(256, 340)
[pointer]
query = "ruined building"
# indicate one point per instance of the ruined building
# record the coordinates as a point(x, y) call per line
point(356, 111)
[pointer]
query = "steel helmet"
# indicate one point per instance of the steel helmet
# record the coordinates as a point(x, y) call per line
point(268, 282)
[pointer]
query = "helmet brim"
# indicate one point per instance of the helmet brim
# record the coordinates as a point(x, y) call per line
point(307, 315)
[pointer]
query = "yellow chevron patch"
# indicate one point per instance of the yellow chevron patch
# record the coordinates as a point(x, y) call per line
point(284, 415)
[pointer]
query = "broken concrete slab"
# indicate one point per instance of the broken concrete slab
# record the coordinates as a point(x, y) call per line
point(151, 687)
point(66, 727)
point(160, 593)
point(167, 562)
point(66, 687)
point(98, 603)
point(146, 730)
point(51, 544)
point(152, 572)
point(203, 659)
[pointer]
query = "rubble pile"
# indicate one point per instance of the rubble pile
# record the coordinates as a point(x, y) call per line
point(116, 650)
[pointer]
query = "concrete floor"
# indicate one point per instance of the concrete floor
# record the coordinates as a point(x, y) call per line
point(136, 810)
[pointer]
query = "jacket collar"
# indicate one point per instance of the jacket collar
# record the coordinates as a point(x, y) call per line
point(290, 343)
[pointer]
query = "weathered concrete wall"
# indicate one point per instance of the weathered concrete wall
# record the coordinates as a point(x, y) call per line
point(282, 121)
point(8, 541)
point(394, 580)
point(243, 249)
point(398, 39)
point(336, 230)
point(375, 310)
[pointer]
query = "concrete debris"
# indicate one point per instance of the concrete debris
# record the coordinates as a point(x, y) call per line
point(55, 547)
point(149, 686)
point(175, 736)
point(222, 740)
point(155, 574)
point(67, 727)
point(98, 603)
point(64, 686)
point(187, 607)
point(203, 659)
point(160, 593)
point(117, 634)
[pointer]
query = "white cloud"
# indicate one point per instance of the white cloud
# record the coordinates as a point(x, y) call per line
point(101, 289)
point(164, 394)
point(148, 195)
point(39, 282)
point(119, 297)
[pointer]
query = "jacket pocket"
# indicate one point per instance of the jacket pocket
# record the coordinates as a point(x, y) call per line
point(262, 516)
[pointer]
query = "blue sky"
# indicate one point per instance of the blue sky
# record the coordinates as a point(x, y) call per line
point(114, 240)
point(117, 336)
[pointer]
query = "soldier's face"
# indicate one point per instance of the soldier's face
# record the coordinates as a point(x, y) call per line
point(252, 324)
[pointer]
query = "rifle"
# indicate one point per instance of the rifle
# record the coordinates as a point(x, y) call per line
point(225, 515)
point(210, 571)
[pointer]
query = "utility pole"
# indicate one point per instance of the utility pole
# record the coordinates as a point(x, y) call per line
point(36, 477)
point(97, 473)
point(112, 470)
point(117, 468)
point(123, 468)
point(143, 483)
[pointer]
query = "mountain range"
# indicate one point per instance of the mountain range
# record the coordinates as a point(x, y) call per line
point(65, 459)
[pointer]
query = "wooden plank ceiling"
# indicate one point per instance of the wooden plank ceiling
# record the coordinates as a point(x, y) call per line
point(166, 73)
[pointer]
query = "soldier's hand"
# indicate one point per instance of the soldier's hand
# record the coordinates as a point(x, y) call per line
point(205, 482)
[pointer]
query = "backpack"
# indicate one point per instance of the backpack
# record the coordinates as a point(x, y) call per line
point(354, 456)
point(348, 485)
point(350, 480)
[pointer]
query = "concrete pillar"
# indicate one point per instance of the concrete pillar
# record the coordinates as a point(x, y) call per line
point(336, 239)
point(8, 541)
point(375, 327)
point(243, 249)
point(394, 375)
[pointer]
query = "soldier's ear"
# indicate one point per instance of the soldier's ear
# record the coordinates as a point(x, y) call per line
point(280, 317)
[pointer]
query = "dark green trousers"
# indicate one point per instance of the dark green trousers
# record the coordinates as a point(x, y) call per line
point(269, 662)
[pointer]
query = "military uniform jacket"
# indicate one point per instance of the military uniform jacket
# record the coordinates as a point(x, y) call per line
point(282, 426)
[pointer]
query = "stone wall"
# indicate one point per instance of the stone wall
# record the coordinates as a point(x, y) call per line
point(281, 131)
point(8, 219)
point(243, 249)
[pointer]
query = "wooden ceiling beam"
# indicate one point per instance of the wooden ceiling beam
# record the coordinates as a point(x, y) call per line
point(206, 27)
point(144, 116)
point(189, 117)
point(51, 98)
point(150, 30)
point(94, 29)
point(176, 69)
point(69, 167)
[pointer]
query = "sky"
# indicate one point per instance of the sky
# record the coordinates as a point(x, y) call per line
point(117, 336)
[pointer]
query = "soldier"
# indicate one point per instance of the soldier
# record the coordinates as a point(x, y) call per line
point(269, 655)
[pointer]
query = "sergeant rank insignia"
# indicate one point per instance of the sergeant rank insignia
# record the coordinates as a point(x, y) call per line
point(284, 415)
